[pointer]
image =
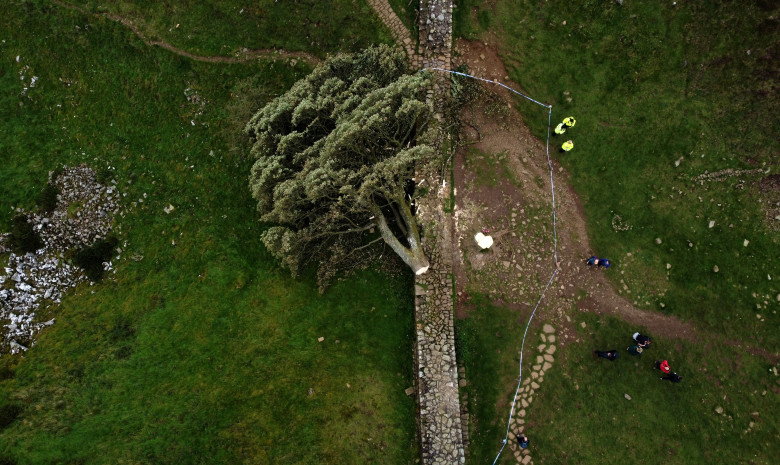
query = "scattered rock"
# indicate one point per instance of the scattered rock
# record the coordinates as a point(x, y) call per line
point(627, 396)
point(84, 212)
point(715, 268)
point(719, 410)
point(408, 391)
point(320, 339)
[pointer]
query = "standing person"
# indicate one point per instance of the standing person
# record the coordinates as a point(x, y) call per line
point(569, 122)
point(663, 366)
point(642, 340)
point(673, 377)
point(568, 145)
point(610, 355)
point(523, 441)
point(634, 350)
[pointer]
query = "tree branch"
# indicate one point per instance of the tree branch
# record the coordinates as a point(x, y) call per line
point(398, 220)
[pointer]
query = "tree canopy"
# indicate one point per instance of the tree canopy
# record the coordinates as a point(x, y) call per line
point(334, 159)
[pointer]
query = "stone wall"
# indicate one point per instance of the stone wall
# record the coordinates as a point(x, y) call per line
point(436, 48)
point(441, 437)
point(437, 372)
point(436, 33)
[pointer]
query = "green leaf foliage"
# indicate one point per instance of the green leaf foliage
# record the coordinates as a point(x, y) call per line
point(333, 153)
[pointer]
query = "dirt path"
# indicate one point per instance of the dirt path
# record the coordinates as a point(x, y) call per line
point(514, 202)
point(240, 57)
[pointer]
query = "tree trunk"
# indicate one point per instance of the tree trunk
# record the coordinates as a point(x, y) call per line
point(413, 255)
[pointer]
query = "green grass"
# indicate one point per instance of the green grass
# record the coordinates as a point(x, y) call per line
point(580, 415)
point(406, 10)
point(676, 423)
point(203, 351)
point(486, 171)
point(223, 27)
point(470, 17)
point(650, 85)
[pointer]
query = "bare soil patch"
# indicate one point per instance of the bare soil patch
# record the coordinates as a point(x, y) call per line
point(502, 183)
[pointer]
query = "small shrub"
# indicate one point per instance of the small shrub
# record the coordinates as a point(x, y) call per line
point(47, 200)
point(56, 173)
point(122, 330)
point(9, 413)
point(104, 175)
point(7, 370)
point(90, 259)
point(23, 238)
point(74, 208)
point(76, 372)
point(123, 352)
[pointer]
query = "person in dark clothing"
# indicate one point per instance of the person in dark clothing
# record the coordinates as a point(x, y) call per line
point(642, 340)
point(663, 365)
point(596, 261)
point(610, 355)
point(673, 377)
point(523, 441)
point(634, 350)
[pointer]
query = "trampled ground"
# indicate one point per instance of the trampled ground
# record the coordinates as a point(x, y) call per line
point(582, 410)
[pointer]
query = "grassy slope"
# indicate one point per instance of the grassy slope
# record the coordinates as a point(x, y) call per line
point(648, 84)
point(202, 352)
point(579, 414)
point(226, 26)
point(407, 12)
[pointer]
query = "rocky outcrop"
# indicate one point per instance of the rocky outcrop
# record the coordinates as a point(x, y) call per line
point(84, 212)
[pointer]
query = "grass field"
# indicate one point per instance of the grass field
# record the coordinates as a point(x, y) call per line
point(407, 12)
point(580, 415)
point(224, 27)
point(203, 351)
point(665, 103)
point(675, 106)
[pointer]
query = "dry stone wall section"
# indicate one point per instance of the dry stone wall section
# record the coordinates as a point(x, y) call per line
point(437, 372)
point(441, 437)
point(441, 441)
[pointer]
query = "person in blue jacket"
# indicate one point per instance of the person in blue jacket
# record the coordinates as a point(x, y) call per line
point(522, 440)
point(596, 261)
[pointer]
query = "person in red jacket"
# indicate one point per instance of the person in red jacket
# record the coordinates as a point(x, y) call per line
point(663, 365)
